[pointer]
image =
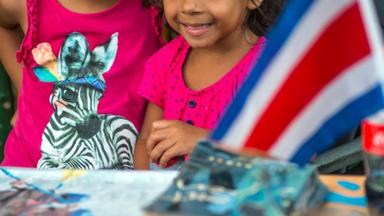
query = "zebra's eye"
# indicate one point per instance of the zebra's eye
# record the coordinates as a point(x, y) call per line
point(69, 95)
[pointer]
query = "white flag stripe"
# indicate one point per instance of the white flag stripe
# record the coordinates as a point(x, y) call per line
point(344, 89)
point(312, 25)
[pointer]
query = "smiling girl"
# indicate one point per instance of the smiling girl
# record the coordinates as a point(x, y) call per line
point(190, 81)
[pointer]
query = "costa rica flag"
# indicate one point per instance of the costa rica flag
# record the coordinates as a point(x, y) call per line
point(320, 74)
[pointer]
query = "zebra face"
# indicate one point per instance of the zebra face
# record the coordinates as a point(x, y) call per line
point(74, 103)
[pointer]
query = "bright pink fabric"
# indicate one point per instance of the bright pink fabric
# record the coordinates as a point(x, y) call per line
point(164, 86)
point(49, 22)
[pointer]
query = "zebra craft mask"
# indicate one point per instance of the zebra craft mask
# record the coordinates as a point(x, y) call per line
point(77, 137)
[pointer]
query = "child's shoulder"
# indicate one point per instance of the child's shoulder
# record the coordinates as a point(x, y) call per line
point(170, 51)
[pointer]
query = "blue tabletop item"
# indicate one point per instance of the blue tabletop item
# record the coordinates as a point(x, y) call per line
point(216, 182)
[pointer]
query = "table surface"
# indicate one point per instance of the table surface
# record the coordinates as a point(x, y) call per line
point(107, 192)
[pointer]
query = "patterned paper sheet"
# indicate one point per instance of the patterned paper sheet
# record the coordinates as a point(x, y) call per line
point(59, 192)
point(63, 192)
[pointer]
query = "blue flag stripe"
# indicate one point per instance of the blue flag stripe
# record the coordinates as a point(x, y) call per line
point(341, 123)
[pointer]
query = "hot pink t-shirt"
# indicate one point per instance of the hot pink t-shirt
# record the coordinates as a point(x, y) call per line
point(51, 23)
point(164, 86)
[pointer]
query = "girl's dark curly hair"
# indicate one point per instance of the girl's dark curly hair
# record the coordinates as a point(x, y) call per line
point(263, 17)
point(258, 21)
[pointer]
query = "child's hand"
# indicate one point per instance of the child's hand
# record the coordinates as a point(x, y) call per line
point(169, 139)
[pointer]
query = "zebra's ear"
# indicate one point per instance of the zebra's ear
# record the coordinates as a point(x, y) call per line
point(104, 55)
point(74, 55)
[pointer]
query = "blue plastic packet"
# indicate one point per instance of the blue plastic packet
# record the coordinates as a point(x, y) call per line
point(216, 182)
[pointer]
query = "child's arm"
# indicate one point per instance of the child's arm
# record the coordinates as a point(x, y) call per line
point(170, 139)
point(11, 40)
point(12, 21)
point(8, 50)
point(12, 24)
point(10, 13)
point(141, 157)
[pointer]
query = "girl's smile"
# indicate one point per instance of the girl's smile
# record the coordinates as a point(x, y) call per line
point(196, 29)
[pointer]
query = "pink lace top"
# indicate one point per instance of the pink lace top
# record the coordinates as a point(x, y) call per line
point(50, 23)
point(164, 86)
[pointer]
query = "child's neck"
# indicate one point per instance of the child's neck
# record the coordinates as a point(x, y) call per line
point(213, 63)
point(87, 6)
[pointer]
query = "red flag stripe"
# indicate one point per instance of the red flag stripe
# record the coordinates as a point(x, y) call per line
point(342, 44)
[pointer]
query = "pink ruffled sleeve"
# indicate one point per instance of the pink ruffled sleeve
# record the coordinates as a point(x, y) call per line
point(158, 68)
point(27, 43)
point(152, 86)
point(158, 23)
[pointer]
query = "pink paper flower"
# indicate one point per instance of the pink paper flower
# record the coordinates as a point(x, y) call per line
point(43, 54)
